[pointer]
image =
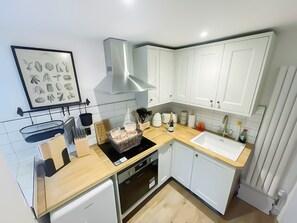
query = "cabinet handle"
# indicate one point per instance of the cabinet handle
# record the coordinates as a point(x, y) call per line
point(219, 104)
point(211, 103)
point(196, 155)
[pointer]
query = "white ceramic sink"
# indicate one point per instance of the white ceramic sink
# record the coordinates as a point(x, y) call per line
point(223, 146)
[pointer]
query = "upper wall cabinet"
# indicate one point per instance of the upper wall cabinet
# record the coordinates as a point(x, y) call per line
point(184, 62)
point(206, 75)
point(154, 65)
point(241, 74)
point(224, 76)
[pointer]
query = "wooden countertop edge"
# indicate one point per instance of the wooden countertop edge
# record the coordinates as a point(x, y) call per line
point(161, 137)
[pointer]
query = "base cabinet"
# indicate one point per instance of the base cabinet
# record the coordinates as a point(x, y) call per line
point(212, 181)
point(182, 160)
point(164, 171)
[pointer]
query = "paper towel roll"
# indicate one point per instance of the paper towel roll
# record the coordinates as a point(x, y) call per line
point(191, 121)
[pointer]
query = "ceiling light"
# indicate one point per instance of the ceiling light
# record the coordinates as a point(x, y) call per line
point(203, 34)
point(128, 2)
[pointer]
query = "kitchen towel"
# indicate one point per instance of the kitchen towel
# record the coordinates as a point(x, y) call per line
point(191, 121)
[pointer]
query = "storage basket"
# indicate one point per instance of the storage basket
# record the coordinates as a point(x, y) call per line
point(127, 143)
point(41, 131)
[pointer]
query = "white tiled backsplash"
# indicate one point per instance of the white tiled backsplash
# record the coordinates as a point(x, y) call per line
point(19, 154)
point(213, 119)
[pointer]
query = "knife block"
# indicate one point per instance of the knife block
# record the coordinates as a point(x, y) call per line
point(143, 126)
point(82, 147)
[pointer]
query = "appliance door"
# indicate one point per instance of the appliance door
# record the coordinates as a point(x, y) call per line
point(96, 205)
point(135, 187)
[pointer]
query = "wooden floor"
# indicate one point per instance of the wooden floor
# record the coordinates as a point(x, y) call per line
point(174, 204)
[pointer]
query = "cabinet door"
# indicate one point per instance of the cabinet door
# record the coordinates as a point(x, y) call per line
point(240, 74)
point(166, 76)
point(153, 75)
point(182, 160)
point(184, 61)
point(206, 73)
point(165, 155)
point(212, 181)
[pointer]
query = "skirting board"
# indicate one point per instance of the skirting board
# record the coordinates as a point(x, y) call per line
point(255, 198)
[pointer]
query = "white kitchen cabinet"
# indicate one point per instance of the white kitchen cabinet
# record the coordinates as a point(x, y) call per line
point(213, 181)
point(224, 76)
point(184, 63)
point(166, 76)
point(182, 160)
point(96, 205)
point(165, 156)
point(241, 73)
point(154, 65)
point(207, 65)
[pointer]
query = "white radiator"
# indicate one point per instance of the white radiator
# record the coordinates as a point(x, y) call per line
point(277, 136)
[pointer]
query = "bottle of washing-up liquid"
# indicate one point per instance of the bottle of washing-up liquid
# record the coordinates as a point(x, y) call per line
point(243, 136)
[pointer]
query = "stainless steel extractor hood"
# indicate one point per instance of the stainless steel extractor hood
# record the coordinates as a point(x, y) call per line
point(119, 79)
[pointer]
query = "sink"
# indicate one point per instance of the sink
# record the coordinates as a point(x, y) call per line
point(225, 147)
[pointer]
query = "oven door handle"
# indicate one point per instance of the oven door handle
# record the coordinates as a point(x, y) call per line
point(136, 178)
point(140, 175)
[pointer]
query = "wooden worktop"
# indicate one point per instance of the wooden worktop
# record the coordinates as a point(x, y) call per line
point(85, 172)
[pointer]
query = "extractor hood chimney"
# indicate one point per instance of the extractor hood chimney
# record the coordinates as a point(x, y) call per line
point(119, 79)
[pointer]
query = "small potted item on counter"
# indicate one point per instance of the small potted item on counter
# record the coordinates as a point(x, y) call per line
point(200, 126)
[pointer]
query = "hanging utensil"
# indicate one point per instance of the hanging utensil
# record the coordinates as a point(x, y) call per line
point(68, 126)
point(86, 118)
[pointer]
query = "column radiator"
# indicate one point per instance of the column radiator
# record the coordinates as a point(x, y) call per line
point(277, 137)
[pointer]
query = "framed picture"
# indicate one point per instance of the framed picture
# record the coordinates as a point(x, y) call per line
point(48, 76)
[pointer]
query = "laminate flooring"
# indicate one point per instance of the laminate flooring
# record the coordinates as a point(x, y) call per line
point(174, 204)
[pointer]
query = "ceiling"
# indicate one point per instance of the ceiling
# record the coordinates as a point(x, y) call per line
point(165, 22)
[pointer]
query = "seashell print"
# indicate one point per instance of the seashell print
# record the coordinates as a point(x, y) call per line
point(38, 66)
point(59, 86)
point(49, 66)
point(67, 77)
point(68, 86)
point(49, 87)
point(39, 100)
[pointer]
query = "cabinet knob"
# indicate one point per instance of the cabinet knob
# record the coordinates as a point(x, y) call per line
point(196, 155)
point(219, 104)
point(211, 103)
point(151, 100)
point(171, 95)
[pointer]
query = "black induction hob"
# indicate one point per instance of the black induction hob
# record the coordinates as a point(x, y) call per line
point(118, 158)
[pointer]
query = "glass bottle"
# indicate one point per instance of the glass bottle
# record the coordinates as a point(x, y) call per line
point(171, 123)
point(243, 136)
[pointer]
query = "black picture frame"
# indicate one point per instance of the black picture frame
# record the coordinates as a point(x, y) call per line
point(48, 76)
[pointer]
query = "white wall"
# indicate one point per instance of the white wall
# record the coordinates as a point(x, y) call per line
point(284, 54)
point(288, 213)
point(12, 204)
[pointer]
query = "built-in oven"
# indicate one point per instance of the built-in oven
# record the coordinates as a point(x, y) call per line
point(137, 180)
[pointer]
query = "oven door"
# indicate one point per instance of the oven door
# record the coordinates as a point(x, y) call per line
point(135, 187)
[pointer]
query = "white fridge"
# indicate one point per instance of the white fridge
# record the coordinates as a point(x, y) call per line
point(95, 206)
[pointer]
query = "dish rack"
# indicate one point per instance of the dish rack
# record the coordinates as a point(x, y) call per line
point(127, 143)
point(41, 131)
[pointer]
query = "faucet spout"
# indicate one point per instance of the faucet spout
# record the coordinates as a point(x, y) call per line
point(225, 122)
